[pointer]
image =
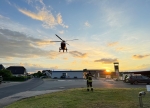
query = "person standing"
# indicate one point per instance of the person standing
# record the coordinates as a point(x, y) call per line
point(125, 79)
point(89, 81)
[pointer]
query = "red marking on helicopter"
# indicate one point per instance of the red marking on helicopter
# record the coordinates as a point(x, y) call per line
point(63, 43)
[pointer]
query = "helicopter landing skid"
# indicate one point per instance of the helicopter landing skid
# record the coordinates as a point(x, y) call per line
point(63, 49)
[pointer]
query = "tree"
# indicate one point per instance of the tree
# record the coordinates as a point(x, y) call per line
point(38, 74)
point(5, 73)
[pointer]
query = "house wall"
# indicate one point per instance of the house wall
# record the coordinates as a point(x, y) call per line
point(56, 74)
point(75, 74)
point(69, 74)
point(18, 75)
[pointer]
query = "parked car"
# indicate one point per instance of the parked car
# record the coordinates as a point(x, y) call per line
point(138, 79)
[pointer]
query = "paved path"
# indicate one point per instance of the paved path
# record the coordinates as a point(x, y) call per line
point(22, 95)
point(13, 88)
point(7, 84)
point(13, 91)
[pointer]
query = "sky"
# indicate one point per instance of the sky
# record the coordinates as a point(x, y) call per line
point(108, 31)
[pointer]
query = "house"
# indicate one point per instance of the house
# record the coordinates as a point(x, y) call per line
point(48, 73)
point(67, 74)
point(17, 70)
point(1, 67)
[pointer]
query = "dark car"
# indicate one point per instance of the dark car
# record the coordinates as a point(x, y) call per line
point(138, 79)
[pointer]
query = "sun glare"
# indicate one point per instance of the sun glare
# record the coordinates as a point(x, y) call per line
point(107, 70)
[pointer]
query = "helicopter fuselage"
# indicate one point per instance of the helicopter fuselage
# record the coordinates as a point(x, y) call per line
point(63, 46)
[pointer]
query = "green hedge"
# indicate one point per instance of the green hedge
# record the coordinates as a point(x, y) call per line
point(14, 78)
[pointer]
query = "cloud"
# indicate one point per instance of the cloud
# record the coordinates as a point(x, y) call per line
point(144, 67)
point(37, 67)
point(114, 16)
point(140, 56)
point(17, 44)
point(118, 47)
point(122, 49)
point(29, 1)
point(87, 24)
point(2, 17)
point(69, 1)
point(42, 42)
point(107, 60)
point(86, 62)
point(53, 54)
point(65, 58)
point(60, 21)
point(111, 44)
point(61, 32)
point(44, 15)
point(78, 54)
point(132, 38)
point(33, 15)
point(74, 63)
point(8, 2)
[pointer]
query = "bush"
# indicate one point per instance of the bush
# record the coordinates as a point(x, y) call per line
point(14, 78)
point(5, 73)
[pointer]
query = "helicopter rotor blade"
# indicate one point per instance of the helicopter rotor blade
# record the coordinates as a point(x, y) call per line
point(59, 37)
point(55, 41)
point(72, 40)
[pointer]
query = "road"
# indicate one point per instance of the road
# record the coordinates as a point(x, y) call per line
point(37, 84)
point(10, 93)
point(10, 89)
point(81, 83)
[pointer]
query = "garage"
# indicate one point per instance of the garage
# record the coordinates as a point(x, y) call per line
point(67, 74)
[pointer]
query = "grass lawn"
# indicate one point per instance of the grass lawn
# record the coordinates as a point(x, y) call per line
point(80, 98)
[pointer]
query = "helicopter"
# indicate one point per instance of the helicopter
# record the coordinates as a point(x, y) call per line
point(63, 43)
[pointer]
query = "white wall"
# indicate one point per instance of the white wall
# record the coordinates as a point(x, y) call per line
point(57, 74)
point(75, 74)
point(69, 74)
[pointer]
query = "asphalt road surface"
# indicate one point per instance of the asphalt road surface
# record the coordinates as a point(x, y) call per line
point(37, 84)
point(81, 83)
point(10, 89)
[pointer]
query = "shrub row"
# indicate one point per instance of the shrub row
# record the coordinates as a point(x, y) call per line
point(14, 78)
